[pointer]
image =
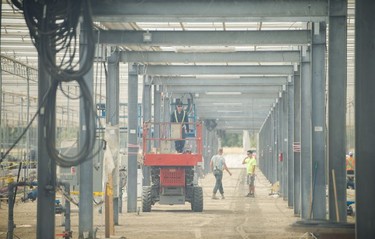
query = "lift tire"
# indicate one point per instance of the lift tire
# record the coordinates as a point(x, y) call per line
point(146, 199)
point(192, 200)
point(197, 201)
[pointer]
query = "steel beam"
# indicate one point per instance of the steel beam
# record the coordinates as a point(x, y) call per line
point(218, 70)
point(240, 99)
point(204, 38)
point(219, 81)
point(234, 106)
point(209, 57)
point(243, 121)
point(231, 107)
point(224, 89)
point(237, 131)
point(244, 97)
point(228, 115)
point(236, 126)
point(208, 11)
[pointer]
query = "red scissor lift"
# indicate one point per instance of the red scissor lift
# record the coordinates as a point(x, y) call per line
point(172, 173)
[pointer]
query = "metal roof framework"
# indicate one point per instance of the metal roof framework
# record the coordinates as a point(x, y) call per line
point(242, 43)
point(242, 46)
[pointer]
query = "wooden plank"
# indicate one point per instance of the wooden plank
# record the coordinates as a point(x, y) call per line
point(109, 218)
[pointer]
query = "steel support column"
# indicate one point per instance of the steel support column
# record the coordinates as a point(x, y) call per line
point(365, 118)
point(206, 148)
point(337, 80)
point(112, 119)
point(268, 149)
point(132, 137)
point(279, 107)
point(318, 205)
point(46, 166)
point(157, 109)
point(147, 117)
point(290, 159)
point(264, 162)
point(167, 108)
point(306, 109)
point(86, 180)
point(1, 88)
point(274, 145)
point(297, 143)
point(284, 143)
point(213, 143)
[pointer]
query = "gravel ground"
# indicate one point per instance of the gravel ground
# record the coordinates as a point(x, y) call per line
point(234, 217)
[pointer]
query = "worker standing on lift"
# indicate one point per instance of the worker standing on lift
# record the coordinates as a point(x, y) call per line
point(179, 115)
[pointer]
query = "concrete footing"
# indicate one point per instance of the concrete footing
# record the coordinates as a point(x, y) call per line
point(325, 229)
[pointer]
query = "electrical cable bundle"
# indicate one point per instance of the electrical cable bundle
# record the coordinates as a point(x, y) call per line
point(53, 28)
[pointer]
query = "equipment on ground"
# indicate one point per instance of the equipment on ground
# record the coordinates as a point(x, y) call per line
point(172, 174)
point(349, 208)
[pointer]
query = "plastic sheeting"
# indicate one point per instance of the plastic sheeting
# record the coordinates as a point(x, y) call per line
point(111, 157)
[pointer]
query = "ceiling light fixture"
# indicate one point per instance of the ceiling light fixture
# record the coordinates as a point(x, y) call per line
point(147, 37)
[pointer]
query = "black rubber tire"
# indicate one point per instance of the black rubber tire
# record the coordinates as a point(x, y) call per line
point(192, 201)
point(197, 200)
point(146, 199)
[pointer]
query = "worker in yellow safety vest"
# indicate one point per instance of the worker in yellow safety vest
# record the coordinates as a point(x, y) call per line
point(350, 171)
point(251, 163)
point(350, 163)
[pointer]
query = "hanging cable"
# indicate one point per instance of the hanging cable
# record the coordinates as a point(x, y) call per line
point(53, 27)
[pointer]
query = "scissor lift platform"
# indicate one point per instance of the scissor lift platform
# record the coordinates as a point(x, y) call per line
point(172, 174)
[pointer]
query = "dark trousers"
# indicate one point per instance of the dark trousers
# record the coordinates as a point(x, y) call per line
point(219, 181)
point(180, 144)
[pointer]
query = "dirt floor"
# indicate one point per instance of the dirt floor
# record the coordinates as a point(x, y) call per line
point(236, 216)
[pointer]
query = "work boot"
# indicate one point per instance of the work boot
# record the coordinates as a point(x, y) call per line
point(248, 195)
point(214, 196)
point(222, 196)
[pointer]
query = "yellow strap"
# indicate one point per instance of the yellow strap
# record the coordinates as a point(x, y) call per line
point(175, 116)
point(350, 163)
